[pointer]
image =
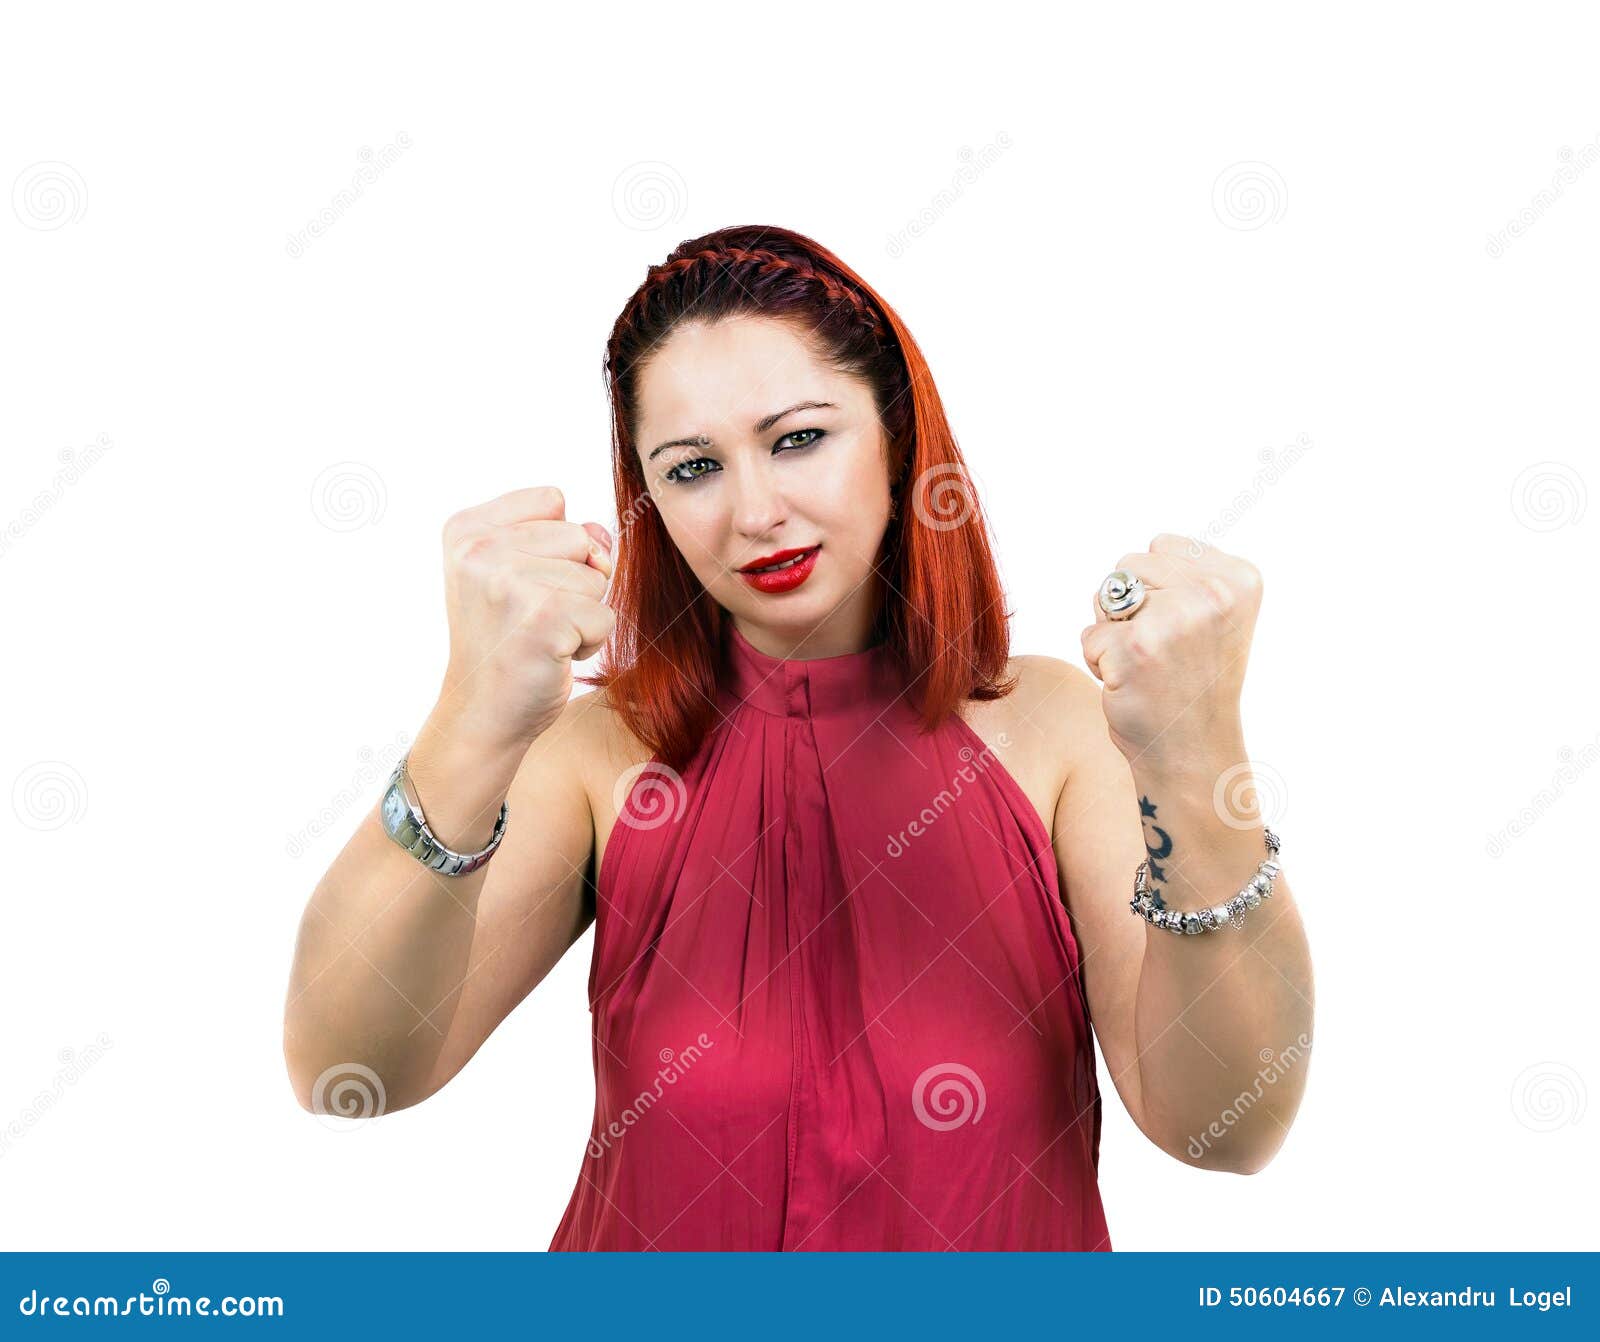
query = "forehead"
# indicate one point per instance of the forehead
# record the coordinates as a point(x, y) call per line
point(725, 376)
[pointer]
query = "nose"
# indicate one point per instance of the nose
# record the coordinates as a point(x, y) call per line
point(759, 508)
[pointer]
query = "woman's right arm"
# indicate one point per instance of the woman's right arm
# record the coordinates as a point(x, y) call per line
point(405, 972)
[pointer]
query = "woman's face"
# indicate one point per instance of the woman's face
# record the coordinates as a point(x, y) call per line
point(759, 477)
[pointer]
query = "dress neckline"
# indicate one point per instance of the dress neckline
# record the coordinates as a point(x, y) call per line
point(799, 687)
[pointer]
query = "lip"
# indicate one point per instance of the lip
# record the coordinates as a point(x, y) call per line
point(776, 558)
point(783, 580)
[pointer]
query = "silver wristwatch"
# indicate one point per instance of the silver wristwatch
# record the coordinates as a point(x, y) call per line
point(401, 813)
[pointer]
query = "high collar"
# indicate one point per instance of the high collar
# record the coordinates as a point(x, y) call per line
point(811, 687)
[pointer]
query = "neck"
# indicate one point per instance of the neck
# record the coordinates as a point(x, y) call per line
point(832, 638)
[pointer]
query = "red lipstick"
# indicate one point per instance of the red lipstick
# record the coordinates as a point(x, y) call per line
point(782, 579)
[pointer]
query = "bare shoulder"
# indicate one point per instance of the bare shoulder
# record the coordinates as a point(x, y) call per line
point(601, 733)
point(1036, 730)
point(605, 753)
point(1057, 695)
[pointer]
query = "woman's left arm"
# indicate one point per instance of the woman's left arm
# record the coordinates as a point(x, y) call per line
point(1221, 1022)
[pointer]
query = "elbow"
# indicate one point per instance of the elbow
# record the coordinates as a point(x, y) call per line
point(303, 1084)
point(351, 1090)
point(1235, 1153)
point(1243, 1162)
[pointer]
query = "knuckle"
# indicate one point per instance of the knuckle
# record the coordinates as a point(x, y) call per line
point(468, 551)
point(496, 583)
point(1219, 594)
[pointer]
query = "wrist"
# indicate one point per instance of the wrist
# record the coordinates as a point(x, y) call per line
point(460, 779)
point(1198, 765)
point(461, 730)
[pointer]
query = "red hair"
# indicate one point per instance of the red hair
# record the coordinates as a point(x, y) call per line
point(940, 616)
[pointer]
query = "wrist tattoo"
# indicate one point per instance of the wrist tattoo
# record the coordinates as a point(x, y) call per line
point(1158, 851)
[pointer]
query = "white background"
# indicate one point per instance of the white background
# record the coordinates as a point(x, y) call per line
point(1208, 235)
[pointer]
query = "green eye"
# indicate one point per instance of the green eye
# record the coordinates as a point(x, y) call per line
point(685, 474)
point(680, 474)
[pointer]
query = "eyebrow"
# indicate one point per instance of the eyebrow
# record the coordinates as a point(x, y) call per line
point(761, 426)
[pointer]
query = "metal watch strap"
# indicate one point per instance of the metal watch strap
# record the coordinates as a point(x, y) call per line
point(403, 821)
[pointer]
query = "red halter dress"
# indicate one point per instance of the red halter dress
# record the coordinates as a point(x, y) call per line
point(836, 1000)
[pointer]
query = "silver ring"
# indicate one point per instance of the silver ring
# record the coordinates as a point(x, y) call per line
point(1120, 595)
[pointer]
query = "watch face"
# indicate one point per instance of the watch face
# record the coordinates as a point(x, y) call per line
point(394, 810)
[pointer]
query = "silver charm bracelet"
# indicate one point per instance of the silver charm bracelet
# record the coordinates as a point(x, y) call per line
point(1259, 887)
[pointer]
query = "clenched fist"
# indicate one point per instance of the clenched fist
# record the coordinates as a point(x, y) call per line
point(1172, 672)
point(524, 591)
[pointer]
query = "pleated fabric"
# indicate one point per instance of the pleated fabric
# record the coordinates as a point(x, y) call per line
point(836, 1000)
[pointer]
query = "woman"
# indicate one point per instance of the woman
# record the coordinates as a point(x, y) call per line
point(859, 878)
